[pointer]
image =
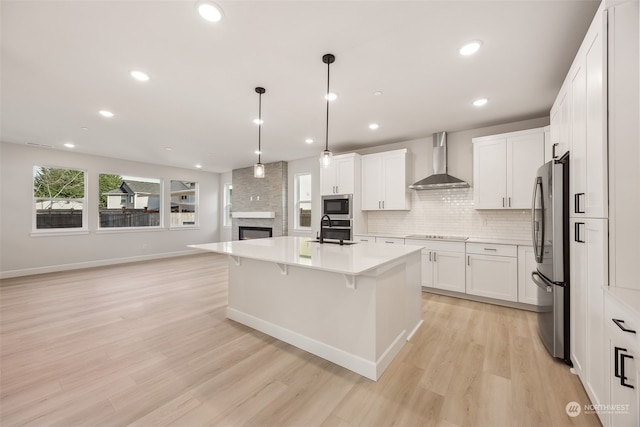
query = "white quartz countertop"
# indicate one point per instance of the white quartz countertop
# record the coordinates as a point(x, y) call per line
point(299, 251)
point(627, 297)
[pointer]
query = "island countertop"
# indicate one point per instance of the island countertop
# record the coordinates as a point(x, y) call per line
point(350, 259)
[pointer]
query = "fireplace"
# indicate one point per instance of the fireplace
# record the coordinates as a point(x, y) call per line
point(247, 233)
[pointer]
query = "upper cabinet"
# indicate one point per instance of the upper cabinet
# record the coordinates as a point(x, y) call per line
point(504, 167)
point(384, 181)
point(560, 132)
point(624, 145)
point(588, 125)
point(340, 177)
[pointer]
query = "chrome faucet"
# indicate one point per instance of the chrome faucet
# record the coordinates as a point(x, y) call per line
point(321, 239)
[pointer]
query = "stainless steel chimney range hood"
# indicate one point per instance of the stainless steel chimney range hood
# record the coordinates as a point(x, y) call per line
point(440, 178)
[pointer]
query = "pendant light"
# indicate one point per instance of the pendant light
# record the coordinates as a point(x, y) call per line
point(258, 168)
point(325, 156)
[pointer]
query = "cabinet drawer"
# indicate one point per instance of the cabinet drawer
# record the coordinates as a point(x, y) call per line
point(436, 245)
point(390, 240)
point(625, 318)
point(492, 249)
point(360, 238)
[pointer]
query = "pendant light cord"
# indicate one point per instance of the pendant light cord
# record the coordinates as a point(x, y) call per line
point(259, 126)
point(326, 133)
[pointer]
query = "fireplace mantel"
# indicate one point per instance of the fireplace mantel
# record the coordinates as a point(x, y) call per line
point(262, 214)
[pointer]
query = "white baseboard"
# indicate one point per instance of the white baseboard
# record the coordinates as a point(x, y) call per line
point(415, 329)
point(367, 368)
point(88, 264)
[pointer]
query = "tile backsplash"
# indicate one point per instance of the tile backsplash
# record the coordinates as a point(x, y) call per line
point(451, 212)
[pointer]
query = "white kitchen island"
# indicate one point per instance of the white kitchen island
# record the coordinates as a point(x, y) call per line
point(354, 305)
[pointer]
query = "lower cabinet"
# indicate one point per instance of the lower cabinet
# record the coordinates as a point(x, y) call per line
point(442, 264)
point(621, 330)
point(492, 271)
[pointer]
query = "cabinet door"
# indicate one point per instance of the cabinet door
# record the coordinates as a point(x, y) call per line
point(345, 175)
point(588, 249)
point(395, 182)
point(624, 145)
point(588, 130)
point(525, 154)
point(427, 268)
point(328, 180)
point(489, 174)
point(578, 159)
point(372, 183)
point(527, 289)
point(492, 277)
point(449, 271)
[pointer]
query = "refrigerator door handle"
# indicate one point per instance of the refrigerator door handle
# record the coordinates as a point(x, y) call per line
point(540, 282)
point(537, 228)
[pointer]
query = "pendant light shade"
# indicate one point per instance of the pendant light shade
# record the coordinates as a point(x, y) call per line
point(258, 168)
point(325, 156)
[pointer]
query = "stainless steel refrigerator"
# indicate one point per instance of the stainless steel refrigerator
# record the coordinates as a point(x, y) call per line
point(550, 235)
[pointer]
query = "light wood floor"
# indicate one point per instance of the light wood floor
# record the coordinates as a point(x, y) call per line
point(149, 344)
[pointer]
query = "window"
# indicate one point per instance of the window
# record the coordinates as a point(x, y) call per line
point(228, 187)
point(184, 203)
point(302, 201)
point(59, 198)
point(126, 201)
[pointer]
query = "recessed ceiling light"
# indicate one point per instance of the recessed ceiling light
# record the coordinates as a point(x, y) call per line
point(199, 166)
point(168, 148)
point(331, 96)
point(470, 48)
point(209, 10)
point(377, 93)
point(69, 144)
point(141, 76)
point(480, 102)
point(374, 126)
point(258, 121)
point(105, 113)
point(84, 128)
point(309, 141)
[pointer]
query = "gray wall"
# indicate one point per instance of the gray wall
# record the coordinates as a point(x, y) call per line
point(22, 253)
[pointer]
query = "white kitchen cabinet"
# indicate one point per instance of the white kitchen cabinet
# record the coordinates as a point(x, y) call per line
point(442, 264)
point(504, 167)
point(560, 132)
point(588, 156)
point(340, 177)
point(548, 147)
point(527, 289)
point(623, 351)
point(492, 271)
point(588, 252)
point(390, 240)
point(624, 145)
point(384, 181)
point(364, 238)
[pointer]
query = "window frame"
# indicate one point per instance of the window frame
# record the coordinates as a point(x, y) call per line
point(196, 212)
point(160, 226)
point(227, 196)
point(35, 231)
point(297, 201)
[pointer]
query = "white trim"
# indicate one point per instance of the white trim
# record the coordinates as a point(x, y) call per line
point(415, 329)
point(112, 230)
point(57, 232)
point(263, 214)
point(88, 264)
point(357, 364)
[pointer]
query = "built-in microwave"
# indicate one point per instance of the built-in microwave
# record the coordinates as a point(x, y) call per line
point(338, 206)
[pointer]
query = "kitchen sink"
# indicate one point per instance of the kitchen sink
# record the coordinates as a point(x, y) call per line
point(333, 242)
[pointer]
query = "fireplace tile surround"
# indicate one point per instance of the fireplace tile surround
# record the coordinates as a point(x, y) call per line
point(268, 194)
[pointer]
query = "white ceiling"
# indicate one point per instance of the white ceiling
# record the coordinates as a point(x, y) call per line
point(62, 61)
